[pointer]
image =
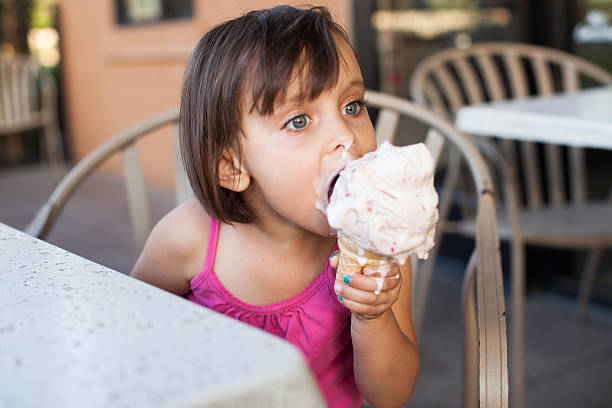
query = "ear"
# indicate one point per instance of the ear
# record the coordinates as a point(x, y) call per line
point(232, 174)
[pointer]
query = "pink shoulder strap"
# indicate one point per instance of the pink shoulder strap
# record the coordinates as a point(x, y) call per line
point(211, 249)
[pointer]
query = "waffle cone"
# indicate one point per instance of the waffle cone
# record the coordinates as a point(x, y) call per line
point(353, 258)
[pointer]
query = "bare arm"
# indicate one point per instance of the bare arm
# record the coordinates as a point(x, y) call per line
point(386, 361)
point(175, 250)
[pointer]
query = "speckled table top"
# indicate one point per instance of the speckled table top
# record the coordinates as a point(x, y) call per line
point(579, 119)
point(74, 334)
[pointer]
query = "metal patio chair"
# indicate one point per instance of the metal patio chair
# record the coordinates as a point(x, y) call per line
point(28, 101)
point(123, 143)
point(485, 372)
point(449, 79)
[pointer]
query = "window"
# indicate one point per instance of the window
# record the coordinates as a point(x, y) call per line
point(151, 11)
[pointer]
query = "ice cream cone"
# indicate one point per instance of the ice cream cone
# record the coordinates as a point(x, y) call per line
point(384, 202)
point(353, 258)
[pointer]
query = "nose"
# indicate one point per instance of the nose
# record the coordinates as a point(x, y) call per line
point(343, 137)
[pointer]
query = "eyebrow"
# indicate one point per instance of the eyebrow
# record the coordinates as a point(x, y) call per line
point(296, 97)
point(356, 83)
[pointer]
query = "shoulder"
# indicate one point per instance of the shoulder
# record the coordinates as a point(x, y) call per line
point(183, 228)
point(176, 249)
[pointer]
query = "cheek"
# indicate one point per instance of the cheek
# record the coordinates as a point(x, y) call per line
point(299, 179)
point(289, 180)
point(367, 137)
point(370, 146)
point(294, 197)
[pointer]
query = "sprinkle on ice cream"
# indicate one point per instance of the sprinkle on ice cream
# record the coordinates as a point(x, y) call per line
point(385, 202)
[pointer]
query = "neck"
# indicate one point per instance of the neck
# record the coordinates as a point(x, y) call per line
point(286, 237)
point(278, 233)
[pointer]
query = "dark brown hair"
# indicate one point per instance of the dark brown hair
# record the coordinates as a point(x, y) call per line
point(260, 51)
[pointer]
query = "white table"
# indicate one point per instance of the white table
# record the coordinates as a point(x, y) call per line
point(580, 119)
point(77, 334)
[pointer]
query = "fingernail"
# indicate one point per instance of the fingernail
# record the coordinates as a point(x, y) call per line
point(347, 279)
point(337, 287)
point(340, 298)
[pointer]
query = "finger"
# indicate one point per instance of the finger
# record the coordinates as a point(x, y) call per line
point(333, 259)
point(383, 271)
point(365, 310)
point(366, 297)
point(372, 284)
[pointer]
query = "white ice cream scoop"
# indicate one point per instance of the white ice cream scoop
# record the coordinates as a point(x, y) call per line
point(386, 203)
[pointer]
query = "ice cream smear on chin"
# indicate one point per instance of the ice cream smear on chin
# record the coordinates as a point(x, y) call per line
point(385, 204)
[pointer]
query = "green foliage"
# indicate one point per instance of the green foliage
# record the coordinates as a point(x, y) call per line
point(42, 13)
point(450, 3)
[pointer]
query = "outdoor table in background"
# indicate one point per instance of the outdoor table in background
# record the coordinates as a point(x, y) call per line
point(76, 334)
point(581, 119)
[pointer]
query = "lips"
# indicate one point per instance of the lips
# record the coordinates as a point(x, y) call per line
point(324, 184)
point(331, 186)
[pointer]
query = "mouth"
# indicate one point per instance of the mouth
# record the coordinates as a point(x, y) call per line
point(324, 186)
point(331, 186)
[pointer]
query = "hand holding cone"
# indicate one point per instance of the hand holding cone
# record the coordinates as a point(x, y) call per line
point(353, 259)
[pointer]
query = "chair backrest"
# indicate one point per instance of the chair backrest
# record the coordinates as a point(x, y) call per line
point(124, 143)
point(485, 352)
point(22, 88)
point(495, 71)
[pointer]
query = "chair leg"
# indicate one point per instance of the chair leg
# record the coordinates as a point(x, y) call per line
point(586, 281)
point(422, 279)
point(53, 144)
point(12, 149)
point(470, 336)
point(422, 284)
point(517, 338)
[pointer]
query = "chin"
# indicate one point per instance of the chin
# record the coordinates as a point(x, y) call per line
point(323, 229)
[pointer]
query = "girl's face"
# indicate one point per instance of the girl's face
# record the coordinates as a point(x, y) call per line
point(293, 154)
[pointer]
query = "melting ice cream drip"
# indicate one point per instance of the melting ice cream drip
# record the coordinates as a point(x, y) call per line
point(386, 202)
point(347, 147)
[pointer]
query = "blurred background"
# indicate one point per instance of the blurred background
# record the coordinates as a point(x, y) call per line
point(116, 62)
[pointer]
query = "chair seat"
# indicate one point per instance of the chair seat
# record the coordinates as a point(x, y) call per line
point(28, 121)
point(573, 226)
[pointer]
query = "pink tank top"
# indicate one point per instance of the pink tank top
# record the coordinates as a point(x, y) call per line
point(313, 320)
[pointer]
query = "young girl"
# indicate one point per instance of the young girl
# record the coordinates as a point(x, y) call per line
point(272, 109)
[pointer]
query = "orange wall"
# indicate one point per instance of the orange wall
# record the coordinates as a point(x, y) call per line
point(115, 76)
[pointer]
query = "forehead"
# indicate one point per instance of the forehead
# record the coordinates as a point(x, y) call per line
point(348, 62)
point(348, 71)
point(314, 69)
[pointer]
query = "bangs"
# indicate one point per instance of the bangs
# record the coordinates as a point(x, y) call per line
point(252, 59)
point(305, 50)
